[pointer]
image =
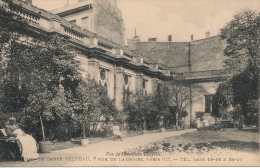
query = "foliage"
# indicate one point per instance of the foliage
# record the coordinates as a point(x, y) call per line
point(91, 106)
point(221, 100)
point(40, 76)
point(184, 114)
point(242, 35)
point(199, 115)
point(144, 111)
point(136, 108)
point(180, 99)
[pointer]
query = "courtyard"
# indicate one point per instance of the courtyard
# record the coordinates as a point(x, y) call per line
point(239, 147)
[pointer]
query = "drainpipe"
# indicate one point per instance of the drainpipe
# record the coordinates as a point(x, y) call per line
point(189, 54)
point(115, 83)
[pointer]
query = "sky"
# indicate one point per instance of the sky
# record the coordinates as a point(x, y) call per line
point(179, 18)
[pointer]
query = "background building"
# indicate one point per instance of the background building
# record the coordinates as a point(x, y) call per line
point(96, 28)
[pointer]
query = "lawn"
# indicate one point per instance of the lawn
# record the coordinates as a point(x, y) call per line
point(233, 138)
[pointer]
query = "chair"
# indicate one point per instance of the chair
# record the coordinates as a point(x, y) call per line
point(11, 147)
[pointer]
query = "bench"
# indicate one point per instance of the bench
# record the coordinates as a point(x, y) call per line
point(226, 124)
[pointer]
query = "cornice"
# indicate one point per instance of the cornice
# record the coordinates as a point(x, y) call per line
point(76, 10)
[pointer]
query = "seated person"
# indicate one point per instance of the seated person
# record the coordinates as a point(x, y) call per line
point(116, 132)
point(12, 129)
point(29, 146)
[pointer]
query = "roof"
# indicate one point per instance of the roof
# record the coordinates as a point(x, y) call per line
point(203, 55)
point(207, 54)
point(171, 54)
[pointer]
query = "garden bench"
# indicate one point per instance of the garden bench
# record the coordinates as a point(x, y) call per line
point(226, 124)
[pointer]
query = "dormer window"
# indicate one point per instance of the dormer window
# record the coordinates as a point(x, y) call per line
point(85, 22)
point(73, 21)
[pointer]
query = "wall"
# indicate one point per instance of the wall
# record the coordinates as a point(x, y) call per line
point(171, 54)
point(198, 92)
point(108, 21)
point(207, 54)
point(105, 19)
point(78, 17)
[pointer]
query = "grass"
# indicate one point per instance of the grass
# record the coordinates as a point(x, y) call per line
point(240, 140)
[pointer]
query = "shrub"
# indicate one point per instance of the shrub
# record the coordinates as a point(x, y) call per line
point(199, 115)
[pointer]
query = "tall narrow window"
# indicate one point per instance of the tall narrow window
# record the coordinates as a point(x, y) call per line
point(126, 88)
point(103, 79)
point(208, 103)
point(144, 87)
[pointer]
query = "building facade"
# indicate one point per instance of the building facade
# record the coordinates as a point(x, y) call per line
point(96, 28)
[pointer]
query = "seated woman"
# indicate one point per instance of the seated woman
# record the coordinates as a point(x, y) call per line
point(29, 146)
point(116, 132)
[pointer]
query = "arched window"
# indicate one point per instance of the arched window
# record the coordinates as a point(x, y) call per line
point(126, 87)
point(144, 87)
point(103, 79)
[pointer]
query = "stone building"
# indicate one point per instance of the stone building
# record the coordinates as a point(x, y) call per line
point(96, 28)
point(199, 62)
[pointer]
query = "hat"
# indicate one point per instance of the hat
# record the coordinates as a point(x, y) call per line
point(12, 119)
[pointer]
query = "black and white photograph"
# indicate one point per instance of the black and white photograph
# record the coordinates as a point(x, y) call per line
point(129, 83)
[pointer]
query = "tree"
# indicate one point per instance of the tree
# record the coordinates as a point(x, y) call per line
point(37, 71)
point(41, 80)
point(180, 98)
point(137, 109)
point(243, 39)
point(221, 100)
point(91, 106)
point(160, 105)
point(242, 35)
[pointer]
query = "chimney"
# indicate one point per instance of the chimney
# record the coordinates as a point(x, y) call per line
point(169, 38)
point(207, 34)
point(152, 39)
point(191, 37)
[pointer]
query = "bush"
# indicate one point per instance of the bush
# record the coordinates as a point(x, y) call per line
point(199, 115)
point(184, 114)
point(211, 128)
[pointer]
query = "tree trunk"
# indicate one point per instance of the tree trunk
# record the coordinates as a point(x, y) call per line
point(43, 135)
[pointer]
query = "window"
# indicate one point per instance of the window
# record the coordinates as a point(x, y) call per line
point(126, 80)
point(103, 79)
point(208, 103)
point(144, 87)
point(127, 93)
point(73, 21)
point(85, 22)
point(159, 88)
point(103, 74)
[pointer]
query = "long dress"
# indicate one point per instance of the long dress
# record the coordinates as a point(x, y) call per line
point(29, 146)
point(116, 130)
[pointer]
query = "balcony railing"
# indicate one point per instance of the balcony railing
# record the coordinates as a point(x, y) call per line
point(29, 17)
point(74, 36)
